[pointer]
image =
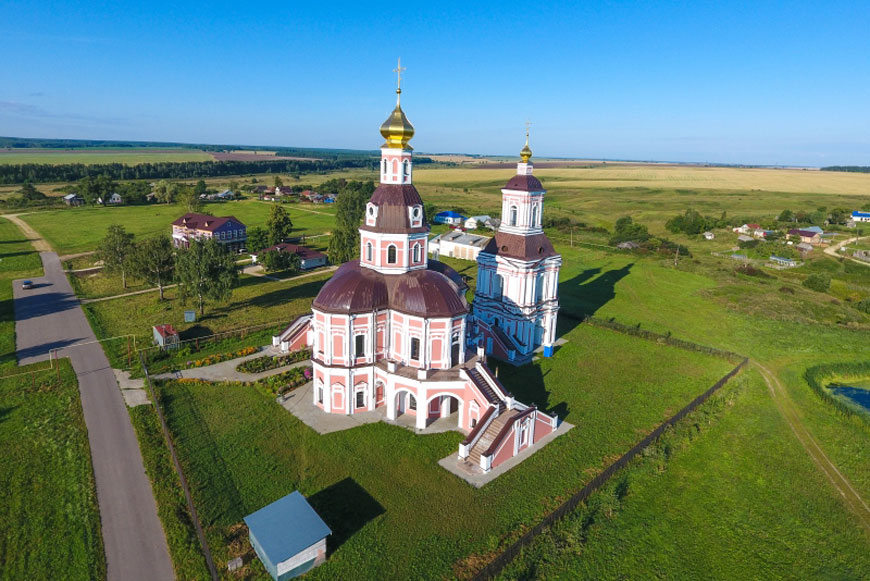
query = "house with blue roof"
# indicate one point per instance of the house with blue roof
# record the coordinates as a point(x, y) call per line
point(288, 536)
point(860, 216)
point(449, 217)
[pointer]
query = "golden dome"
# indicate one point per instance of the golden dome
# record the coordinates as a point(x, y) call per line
point(397, 130)
point(526, 151)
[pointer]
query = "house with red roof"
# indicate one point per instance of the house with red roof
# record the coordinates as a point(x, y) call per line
point(227, 230)
point(309, 258)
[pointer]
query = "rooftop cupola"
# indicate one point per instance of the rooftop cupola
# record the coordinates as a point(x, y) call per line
point(397, 130)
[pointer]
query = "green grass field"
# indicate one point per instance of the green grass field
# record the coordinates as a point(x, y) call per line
point(18, 259)
point(241, 450)
point(49, 510)
point(747, 467)
point(728, 498)
point(91, 223)
point(94, 156)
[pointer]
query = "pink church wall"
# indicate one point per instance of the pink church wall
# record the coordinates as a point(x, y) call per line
point(506, 448)
point(543, 427)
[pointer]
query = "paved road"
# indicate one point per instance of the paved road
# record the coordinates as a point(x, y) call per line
point(50, 317)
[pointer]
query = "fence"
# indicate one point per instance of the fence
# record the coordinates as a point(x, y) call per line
point(658, 337)
point(156, 356)
point(495, 566)
point(188, 498)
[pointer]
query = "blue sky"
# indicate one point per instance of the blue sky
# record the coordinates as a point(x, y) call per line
point(755, 82)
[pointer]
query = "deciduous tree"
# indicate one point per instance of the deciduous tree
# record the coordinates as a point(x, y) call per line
point(115, 251)
point(279, 225)
point(153, 260)
point(258, 239)
point(188, 198)
point(275, 260)
point(205, 270)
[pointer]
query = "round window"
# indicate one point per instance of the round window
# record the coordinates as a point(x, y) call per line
point(371, 210)
point(416, 213)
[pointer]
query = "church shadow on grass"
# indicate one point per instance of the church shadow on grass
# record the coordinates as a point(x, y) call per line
point(346, 507)
point(581, 296)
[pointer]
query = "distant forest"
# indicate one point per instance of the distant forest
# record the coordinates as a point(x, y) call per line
point(37, 143)
point(851, 168)
point(70, 172)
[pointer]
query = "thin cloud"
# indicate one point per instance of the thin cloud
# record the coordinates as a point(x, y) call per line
point(19, 109)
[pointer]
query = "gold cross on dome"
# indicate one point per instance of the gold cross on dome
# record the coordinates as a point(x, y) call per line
point(398, 70)
point(528, 124)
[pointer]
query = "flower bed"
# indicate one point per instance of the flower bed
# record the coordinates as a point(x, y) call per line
point(219, 358)
point(285, 382)
point(266, 362)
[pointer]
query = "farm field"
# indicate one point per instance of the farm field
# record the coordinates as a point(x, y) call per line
point(102, 155)
point(379, 486)
point(18, 259)
point(91, 223)
point(49, 509)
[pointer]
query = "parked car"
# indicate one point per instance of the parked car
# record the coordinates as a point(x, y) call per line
point(27, 284)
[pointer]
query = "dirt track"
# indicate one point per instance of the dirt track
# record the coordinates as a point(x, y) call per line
point(35, 239)
point(786, 407)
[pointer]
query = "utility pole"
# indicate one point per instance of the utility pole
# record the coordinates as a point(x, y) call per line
point(677, 256)
point(572, 236)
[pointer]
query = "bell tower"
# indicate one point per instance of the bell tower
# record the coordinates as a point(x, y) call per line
point(394, 237)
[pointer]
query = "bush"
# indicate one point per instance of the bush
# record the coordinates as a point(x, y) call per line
point(819, 282)
point(266, 362)
point(864, 306)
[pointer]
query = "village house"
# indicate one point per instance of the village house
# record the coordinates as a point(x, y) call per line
point(73, 200)
point(458, 245)
point(804, 248)
point(476, 222)
point(308, 257)
point(449, 217)
point(227, 230)
point(747, 228)
point(115, 199)
point(708, 236)
point(807, 236)
point(860, 216)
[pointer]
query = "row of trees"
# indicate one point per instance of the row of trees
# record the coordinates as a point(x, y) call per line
point(627, 230)
point(204, 271)
point(70, 172)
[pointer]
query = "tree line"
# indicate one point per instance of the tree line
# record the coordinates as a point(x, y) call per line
point(848, 168)
point(69, 172)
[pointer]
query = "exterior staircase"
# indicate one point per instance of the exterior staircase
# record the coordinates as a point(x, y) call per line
point(489, 436)
point(483, 385)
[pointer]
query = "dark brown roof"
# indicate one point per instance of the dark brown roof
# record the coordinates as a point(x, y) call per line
point(427, 293)
point(357, 289)
point(393, 201)
point(439, 266)
point(204, 221)
point(524, 184)
point(304, 252)
point(532, 247)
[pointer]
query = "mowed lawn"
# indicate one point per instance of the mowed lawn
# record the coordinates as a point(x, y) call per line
point(18, 259)
point(77, 230)
point(51, 523)
point(398, 514)
point(734, 498)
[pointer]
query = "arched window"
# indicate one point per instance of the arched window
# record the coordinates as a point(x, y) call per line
point(396, 167)
point(539, 287)
point(513, 221)
point(497, 286)
point(369, 251)
point(534, 216)
point(407, 168)
point(384, 167)
point(391, 254)
point(416, 253)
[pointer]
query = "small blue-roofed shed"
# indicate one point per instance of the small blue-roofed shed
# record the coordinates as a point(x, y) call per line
point(288, 536)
